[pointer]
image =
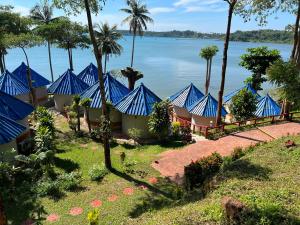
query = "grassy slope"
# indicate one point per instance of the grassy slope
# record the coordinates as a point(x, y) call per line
point(267, 180)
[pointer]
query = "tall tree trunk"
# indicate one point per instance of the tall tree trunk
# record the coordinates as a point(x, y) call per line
point(296, 33)
point(98, 56)
point(206, 78)
point(131, 83)
point(70, 59)
point(50, 60)
point(224, 66)
point(105, 63)
point(71, 53)
point(209, 74)
point(133, 47)
point(29, 80)
point(2, 69)
point(87, 111)
point(3, 218)
point(3, 60)
point(78, 118)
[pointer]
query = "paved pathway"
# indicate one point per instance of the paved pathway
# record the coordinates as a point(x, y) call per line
point(171, 163)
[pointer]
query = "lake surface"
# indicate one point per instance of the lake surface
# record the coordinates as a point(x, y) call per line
point(168, 64)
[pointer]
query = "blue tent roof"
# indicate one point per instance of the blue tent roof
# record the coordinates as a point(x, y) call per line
point(139, 102)
point(89, 75)
point(12, 85)
point(68, 84)
point(248, 87)
point(14, 108)
point(114, 91)
point(37, 79)
point(267, 107)
point(206, 107)
point(9, 129)
point(187, 96)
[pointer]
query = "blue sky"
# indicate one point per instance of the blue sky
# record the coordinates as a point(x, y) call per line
point(198, 15)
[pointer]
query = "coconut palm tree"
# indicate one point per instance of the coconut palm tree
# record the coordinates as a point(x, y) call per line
point(137, 20)
point(232, 4)
point(208, 53)
point(132, 76)
point(43, 14)
point(107, 38)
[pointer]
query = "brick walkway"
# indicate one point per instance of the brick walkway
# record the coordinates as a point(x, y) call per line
point(171, 163)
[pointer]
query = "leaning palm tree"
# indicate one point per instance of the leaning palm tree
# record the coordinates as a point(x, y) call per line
point(232, 4)
point(208, 53)
point(42, 13)
point(132, 76)
point(107, 38)
point(137, 20)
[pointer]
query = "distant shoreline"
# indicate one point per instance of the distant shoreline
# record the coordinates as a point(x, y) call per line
point(256, 36)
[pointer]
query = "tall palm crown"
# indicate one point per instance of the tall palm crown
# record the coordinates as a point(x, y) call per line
point(107, 38)
point(137, 19)
point(42, 12)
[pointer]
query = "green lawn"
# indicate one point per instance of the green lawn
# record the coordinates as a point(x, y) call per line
point(266, 179)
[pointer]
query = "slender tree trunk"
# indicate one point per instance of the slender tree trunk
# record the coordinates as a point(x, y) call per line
point(131, 83)
point(50, 60)
point(209, 74)
point(32, 91)
point(105, 63)
point(78, 118)
point(98, 56)
point(206, 78)
point(87, 111)
point(224, 66)
point(296, 32)
point(71, 54)
point(2, 69)
point(3, 218)
point(133, 47)
point(3, 60)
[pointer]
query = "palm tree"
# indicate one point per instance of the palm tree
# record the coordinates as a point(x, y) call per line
point(132, 76)
point(232, 4)
point(208, 53)
point(86, 103)
point(137, 20)
point(107, 38)
point(43, 14)
point(76, 108)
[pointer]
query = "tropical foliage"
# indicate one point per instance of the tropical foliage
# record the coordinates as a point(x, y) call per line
point(132, 76)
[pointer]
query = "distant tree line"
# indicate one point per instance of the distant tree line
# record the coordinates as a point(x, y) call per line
point(275, 36)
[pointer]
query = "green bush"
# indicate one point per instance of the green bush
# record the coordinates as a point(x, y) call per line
point(186, 133)
point(93, 217)
point(69, 181)
point(98, 172)
point(237, 153)
point(200, 171)
point(176, 129)
point(135, 134)
point(48, 187)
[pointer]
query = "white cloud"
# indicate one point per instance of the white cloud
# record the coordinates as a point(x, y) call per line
point(159, 10)
point(24, 11)
point(201, 5)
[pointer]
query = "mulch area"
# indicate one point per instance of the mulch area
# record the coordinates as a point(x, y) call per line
point(171, 163)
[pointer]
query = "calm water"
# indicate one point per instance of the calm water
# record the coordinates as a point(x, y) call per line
point(168, 64)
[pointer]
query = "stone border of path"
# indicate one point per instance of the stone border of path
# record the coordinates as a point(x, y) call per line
point(171, 163)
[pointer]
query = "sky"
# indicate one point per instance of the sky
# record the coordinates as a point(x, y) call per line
point(198, 15)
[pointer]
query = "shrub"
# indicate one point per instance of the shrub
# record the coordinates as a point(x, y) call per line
point(93, 217)
point(128, 166)
point(69, 181)
point(135, 134)
point(98, 172)
point(200, 171)
point(186, 133)
point(159, 121)
point(237, 153)
point(176, 129)
point(48, 187)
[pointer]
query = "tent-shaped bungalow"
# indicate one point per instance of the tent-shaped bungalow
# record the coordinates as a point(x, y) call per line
point(136, 108)
point(183, 99)
point(248, 87)
point(114, 91)
point(39, 83)
point(9, 133)
point(15, 109)
point(89, 75)
point(11, 85)
point(204, 111)
point(64, 88)
point(267, 107)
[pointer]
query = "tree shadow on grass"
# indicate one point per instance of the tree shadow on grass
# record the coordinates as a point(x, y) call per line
point(244, 169)
point(173, 144)
point(66, 164)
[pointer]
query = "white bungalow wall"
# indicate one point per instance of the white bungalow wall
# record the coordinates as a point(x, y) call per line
point(114, 116)
point(138, 122)
point(201, 121)
point(41, 95)
point(61, 101)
